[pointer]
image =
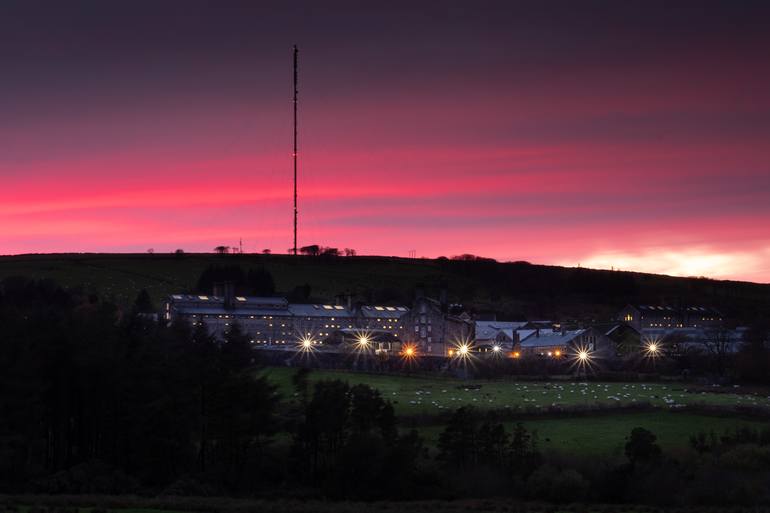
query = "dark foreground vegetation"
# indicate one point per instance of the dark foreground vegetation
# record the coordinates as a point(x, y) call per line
point(134, 504)
point(99, 400)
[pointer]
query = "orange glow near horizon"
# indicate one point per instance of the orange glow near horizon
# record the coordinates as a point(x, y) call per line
point(610, 155)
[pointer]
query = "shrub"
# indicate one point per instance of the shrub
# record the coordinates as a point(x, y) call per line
point(557, 485)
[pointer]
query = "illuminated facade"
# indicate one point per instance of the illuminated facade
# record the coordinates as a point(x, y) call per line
point(435, 327)
point(643, 317)
point(274, 321)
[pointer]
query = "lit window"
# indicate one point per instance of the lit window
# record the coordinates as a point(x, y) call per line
point(203, 298)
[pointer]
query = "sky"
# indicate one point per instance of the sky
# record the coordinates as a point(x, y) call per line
point(632, 135)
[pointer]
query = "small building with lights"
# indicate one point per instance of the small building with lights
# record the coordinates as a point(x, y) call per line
point(501, 334)
point(555, 344)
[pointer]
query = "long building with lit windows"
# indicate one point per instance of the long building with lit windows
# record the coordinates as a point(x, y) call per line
point(272, 321)
point(642, 317)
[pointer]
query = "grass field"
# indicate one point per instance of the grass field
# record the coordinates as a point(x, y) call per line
point(605, 434)
point(431, 396)
point(597, 433)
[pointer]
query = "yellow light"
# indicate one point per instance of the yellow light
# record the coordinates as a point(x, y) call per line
point(557, 353)
point(363, 341)
point(516, 354)
point(451, 352)
point(550, 353)
point(583, 355)
point(652, 348)
point(306, 343)
point(463, 349)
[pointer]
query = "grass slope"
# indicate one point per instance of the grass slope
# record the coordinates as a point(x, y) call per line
point(515, 290)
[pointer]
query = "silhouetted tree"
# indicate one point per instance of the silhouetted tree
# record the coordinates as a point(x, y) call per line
point(718, 344)
point(458, 443)
point(312, 250)
point(143, 303)
point(301, 383)
point(236, 351)
point(754, 356)
point(493, 444)
point(260, 282)
point(641, 446)
point(300, 294)
point(218, 274)
point(524, 455)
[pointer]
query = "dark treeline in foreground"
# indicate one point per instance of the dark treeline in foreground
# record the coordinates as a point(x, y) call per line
point(95, 401)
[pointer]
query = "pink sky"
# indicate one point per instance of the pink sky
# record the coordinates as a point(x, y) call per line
point(579, 149)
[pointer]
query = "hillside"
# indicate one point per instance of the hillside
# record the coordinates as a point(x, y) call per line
point(512, 290)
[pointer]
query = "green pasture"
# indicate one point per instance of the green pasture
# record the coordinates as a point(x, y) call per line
point(432, 396)
point(606, 434)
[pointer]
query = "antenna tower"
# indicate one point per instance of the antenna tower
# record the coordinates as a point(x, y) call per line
point(294, 154)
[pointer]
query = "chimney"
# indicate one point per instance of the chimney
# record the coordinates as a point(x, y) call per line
point(537, 332)
point(345, 300)
point(442, 297)
point(229, 294)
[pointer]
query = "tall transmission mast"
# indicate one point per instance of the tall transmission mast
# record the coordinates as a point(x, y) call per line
point(294, 155)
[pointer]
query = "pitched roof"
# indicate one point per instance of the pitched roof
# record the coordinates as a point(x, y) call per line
point(552, 339)
point(387, 312)
point(310, 310)
point(487, 330)
point(659, 309)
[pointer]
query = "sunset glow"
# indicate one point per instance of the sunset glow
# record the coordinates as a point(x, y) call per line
point(611, 155)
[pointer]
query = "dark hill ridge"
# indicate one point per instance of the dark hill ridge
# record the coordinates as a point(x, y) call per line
point(514, 290)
